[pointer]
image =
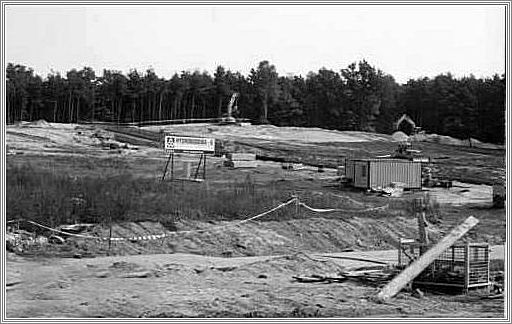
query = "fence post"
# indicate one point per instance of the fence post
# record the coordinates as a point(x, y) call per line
point(467, 258)
point(204, 166)
point(297, 205)
point(110, 231)
point(400, 251)
point(419, 208)
point(188, 169)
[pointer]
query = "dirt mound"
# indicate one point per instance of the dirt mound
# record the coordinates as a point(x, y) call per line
point(399, 136)
point(296, 135)
point(448, 140)
point(38, 123)
point(297, 263)
point(229, 239)
point(53, 138)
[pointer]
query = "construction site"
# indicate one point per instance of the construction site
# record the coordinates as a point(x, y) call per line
point(230, 219)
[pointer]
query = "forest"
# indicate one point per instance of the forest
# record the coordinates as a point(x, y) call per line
point(359, 97)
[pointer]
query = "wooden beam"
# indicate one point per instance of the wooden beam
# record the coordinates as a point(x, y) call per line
point(411, 272)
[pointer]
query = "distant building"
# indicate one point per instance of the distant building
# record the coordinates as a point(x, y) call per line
point(374, 173)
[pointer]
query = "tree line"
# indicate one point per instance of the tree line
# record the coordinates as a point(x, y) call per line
point(359, 97)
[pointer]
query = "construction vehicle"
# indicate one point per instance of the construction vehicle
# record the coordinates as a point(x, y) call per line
point(405, 118)
point(228, 118)
point(428, 179)
point(428, 170)
point(406, 151)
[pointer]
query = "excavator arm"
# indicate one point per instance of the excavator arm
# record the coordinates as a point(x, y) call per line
point(406, 119)
point(232, 103)
point(228, 119)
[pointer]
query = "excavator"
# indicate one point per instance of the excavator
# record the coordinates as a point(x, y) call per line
point(405, 149)
point(228, 118)
point(415, 129)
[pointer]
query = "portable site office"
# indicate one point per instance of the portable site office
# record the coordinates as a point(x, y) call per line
point(374, 173)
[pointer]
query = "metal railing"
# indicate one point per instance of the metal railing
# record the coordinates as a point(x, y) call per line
point(463, 266)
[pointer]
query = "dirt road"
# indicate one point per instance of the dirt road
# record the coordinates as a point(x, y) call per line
point(185, 285)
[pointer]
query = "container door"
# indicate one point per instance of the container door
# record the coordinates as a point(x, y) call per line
point(361, 174)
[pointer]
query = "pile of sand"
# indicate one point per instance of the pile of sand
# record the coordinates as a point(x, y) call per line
point(252, 239)
point(57, 138)
point(296, 135)
point(448, 140)
point(399, 136)
point(38, 123)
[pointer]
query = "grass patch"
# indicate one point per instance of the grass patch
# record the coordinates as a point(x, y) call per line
point(53, 198)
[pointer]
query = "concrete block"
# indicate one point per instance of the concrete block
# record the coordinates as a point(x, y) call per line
point(241, 156)
point(241, 164)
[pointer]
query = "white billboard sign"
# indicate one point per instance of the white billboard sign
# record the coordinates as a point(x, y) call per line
point(189, 144)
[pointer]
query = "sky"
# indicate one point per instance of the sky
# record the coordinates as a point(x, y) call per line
point(404, 41)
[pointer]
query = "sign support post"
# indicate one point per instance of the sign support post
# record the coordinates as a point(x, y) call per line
point(198, 166)
point(183, 144)
point(171, 156)
point(172, 165)
point(204, 167)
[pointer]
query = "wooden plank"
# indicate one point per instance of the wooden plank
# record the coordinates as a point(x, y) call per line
point(411, 272)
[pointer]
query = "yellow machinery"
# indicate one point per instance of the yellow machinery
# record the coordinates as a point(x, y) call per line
point(405, 118)
point(232, 109)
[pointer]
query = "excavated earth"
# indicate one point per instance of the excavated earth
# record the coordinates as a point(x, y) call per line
point(229, 269)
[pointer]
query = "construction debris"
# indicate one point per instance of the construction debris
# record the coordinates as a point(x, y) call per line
point(138, 274)
point(241, 160)
point(75, 228)
point(411, 272)
point(20, 240)
point(292, 166)
point(373, 277)
point(395, 189)
point(56, 239)
point(241, 156)
point(241, 164)
point(418, 293)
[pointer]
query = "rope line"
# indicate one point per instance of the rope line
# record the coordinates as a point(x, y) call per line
point(158, 236)
point(164, 235)
point(329, 210)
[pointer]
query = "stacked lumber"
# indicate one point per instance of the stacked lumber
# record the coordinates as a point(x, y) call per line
point(292, 166)
point(241, 160)
point(373, 277)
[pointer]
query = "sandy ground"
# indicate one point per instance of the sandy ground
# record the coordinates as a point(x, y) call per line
point(165, 280)
point(72, 139)
point(184, 285)
point(306, 135)
point(463, 194)
point(65, 139)
point(273, 133)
